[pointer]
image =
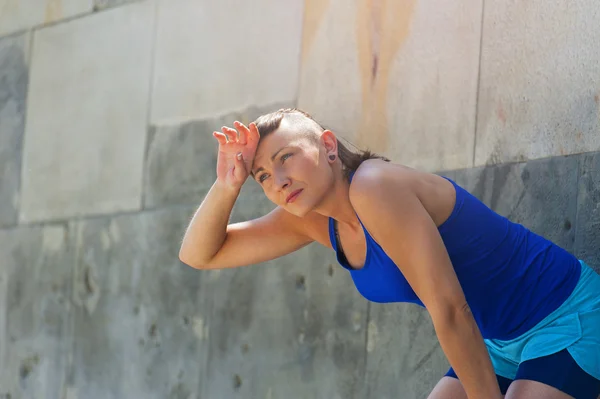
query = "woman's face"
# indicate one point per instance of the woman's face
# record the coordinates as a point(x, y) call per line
point(293, 168)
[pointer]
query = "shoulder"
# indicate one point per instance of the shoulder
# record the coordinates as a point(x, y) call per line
point(375, 178)
point(383, 188)
point(383, 191)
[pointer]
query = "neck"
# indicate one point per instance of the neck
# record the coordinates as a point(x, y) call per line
point(337, 203)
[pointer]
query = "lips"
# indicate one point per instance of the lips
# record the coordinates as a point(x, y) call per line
point(293, 195)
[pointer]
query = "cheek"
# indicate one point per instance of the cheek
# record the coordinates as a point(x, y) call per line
point(271, 191)
point(271, 198)
point(268, 192)
point(308, 166)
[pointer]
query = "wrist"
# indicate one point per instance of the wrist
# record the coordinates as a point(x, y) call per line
point(227, 188)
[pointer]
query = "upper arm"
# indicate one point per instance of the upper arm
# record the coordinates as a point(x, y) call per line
point(258, 240)
point(390, 209)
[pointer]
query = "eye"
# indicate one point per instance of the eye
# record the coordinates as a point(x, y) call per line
point(262, 177)
point(285, 156)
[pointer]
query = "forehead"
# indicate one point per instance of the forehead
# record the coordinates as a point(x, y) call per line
point(285, 135)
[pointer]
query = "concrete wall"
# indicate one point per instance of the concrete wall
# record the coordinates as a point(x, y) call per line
point(106, 110)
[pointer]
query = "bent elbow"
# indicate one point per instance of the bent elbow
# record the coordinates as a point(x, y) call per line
point(189, 261)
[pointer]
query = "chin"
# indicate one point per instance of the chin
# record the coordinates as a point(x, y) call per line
point(297, 211)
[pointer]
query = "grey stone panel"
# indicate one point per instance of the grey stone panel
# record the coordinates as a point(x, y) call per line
point(140, 316)
point(292, 327)
point(469, 179)
point(181, 163)
point(35, 311)
point(404, 358)
point(587, 237)
point(13, 96)
point(539, 194)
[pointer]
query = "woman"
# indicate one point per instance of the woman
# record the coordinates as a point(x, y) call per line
point(515, 314)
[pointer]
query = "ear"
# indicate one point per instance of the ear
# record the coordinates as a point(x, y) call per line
point(330, 142)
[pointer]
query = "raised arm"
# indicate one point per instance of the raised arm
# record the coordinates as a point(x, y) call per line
point(209, 242)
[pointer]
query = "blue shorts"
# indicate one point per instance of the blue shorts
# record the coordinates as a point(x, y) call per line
point(562, 351)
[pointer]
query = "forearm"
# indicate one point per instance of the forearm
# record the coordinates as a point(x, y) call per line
point(207, 230)
point(465, 349)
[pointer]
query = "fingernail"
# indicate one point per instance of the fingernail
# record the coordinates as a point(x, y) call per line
point(239, 155)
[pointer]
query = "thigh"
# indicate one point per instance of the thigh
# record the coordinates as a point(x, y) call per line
point(556, 376)
point(526, 389)
point(448, 388)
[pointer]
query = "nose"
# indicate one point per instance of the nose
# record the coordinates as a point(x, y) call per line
point(282, 181)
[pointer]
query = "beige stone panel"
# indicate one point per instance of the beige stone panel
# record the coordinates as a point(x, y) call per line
point(540, 80)
point(87, 112)
point(16, 15)
point(399, 78)
point(213, 57)
point(330, 74)
point(432, 92)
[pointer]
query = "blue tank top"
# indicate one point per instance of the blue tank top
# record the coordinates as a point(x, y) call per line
point(512, 278)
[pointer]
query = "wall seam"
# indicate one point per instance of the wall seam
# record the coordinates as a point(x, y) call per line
point(301, 44)
point(580, 167)
point(147, 133)
point(368, 393)
point(478, 84)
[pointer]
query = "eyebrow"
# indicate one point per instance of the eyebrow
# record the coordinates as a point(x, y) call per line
point(272, 158)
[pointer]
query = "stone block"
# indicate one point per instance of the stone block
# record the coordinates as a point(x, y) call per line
point(181, 164)
point(398, 77)
point(539, 94)
point(14, 77)
point(292, 327)
point(35, 311)
point(404, 358)
point(86, 118)
point(330, 85)
point(539, 194)
point(141, 316)
point(214, 59)
point(19, 15)
point(587, 236)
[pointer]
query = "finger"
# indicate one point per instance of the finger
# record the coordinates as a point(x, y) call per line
point(254, 134)
point(221, 138)
point(244, 132)
point(230, 133)
point(240, 166)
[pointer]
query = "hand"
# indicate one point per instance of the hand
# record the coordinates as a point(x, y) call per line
point(236, 153)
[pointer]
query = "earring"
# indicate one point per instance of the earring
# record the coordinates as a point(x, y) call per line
point(332, 157)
